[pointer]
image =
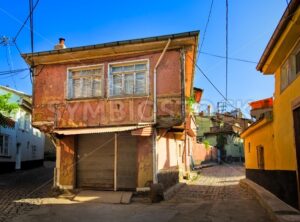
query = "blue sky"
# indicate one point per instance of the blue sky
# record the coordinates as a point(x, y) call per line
point(251, 24)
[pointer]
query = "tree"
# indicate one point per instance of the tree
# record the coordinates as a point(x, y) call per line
point(7, 107)
point(221, 142)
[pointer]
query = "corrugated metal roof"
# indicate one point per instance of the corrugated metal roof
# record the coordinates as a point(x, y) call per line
point(145, 131)
point(99, 130)
point(117, 43)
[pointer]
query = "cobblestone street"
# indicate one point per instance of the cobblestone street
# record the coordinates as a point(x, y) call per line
point(215, 196)
point(34, 183)
point(215, 183)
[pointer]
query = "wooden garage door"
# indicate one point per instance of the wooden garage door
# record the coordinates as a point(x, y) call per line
point(127, 165)
point(95, 166)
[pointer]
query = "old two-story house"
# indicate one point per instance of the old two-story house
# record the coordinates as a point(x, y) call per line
point(21, 145)
point(117, 110)
point(272, 143)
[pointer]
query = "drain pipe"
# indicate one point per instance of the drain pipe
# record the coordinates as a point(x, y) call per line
point(154, 143)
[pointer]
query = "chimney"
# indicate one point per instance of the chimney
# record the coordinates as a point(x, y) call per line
point(61, 44)
point(208, 110)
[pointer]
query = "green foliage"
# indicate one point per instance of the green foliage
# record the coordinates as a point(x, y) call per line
point(221, 141)
point(191, 101)
point(7, 107)
point(206, 144)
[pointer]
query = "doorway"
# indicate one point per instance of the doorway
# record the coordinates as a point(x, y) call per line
point(96, 161)
point(296, 115)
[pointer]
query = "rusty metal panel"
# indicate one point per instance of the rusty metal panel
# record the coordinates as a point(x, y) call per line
point(99, 130)
point(127, 161)
point(146, 131)
point(95, 166)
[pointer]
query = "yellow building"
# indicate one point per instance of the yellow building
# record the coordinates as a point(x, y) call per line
point(272, 144)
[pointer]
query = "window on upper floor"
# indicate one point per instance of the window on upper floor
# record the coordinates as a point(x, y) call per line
point(85, 82)
point(24, 122)
point(290, 70)
point(4, 145)
point(128, 79)
point(298, 63)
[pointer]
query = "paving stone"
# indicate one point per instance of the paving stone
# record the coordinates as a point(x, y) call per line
point(30, 184)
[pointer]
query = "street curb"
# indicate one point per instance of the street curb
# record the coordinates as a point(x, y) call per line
point(169, 193)
point(278, 210)
point(202, 166)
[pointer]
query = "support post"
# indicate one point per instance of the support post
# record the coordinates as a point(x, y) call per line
point(115, 162)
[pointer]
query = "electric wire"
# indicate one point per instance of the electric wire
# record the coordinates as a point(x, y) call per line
point(25, 21)
point(226, 59)
point(206, 26)
point(208, 79)
point(229, 58)
point(8, 72)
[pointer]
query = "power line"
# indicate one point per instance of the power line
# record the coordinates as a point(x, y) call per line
point(229, 58)
point(6, 40)
point(213, 85)
point(31, 37)
point(31, 25)
point(9, 72)
point(10, 63)
point(17, 47)
point(207, 22)
point(226, 88)
point(24, 23)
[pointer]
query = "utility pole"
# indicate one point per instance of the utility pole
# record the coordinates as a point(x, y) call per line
point(31, 36)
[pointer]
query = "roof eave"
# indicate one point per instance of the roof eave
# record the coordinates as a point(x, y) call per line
point(284, 21)
point(28, 56)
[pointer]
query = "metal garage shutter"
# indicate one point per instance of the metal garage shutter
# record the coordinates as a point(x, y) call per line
point(127, 165)
point(95, 166)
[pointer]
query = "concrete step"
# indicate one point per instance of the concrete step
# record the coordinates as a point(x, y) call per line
point(103, 197)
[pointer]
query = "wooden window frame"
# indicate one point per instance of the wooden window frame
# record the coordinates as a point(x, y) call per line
point(124, 63)
point(69, 91)
point(5, 137)
point(291, 62)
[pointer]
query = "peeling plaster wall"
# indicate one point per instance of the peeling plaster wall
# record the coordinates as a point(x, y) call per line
point(51, 105)
point(144, 161)
point(168, 152)
point(66, 166)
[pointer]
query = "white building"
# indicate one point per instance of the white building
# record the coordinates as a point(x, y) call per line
point(21, 145)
